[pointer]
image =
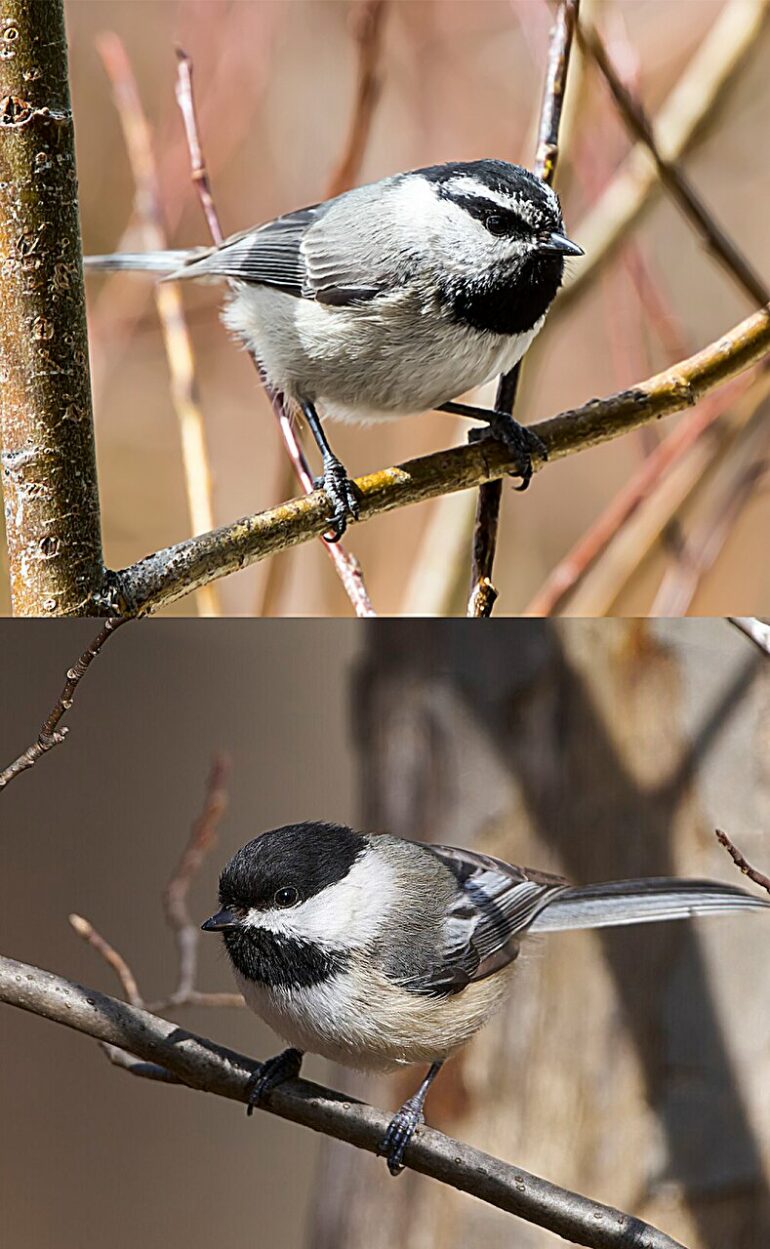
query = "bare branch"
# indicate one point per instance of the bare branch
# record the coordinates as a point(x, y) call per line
point(483, 593)
point(50, 734)
point(167, 575)
point(691, 107)
point(46, 424)
point(201, 841)
point(201, 1064)
point(111, 957)
point(757, 630)
point(753, 873)
point(673, 178)
point(185, 98)
point(168, 299)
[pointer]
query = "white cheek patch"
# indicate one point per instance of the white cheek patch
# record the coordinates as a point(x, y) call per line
point(348, 913)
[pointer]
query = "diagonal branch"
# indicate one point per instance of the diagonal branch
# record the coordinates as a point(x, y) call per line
point(742, 863)
point(692, 106)
point(203, 1065)
point(673, 178)
point(483, 593)
point(167, 575)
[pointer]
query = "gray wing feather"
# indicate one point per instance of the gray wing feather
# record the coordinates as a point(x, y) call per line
point(653, 900)
point(497, 902)
point(326, 252)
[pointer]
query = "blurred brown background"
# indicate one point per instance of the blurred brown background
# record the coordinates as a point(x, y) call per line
point(459, 80)
point(633, 1066)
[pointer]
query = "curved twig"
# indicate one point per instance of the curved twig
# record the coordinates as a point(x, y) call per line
point(200, 1064)
point(167, 575)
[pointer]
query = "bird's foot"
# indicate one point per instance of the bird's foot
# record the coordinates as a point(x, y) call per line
point(520, 441)
point(284, 1066)
point(401, 1128)
point(341, 493)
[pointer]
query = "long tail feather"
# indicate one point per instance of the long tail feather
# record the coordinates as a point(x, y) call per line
point(641, 902)
point(143, 262)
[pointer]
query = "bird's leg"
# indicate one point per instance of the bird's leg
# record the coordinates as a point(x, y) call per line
point(335, 481)
point(272, 1072)
point(520, 440)
point(401, 1127)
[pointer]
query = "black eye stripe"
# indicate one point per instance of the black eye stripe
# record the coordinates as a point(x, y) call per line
point(484, 209)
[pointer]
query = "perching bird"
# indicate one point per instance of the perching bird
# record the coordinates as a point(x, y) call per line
point(391, 299)
point(376, 952)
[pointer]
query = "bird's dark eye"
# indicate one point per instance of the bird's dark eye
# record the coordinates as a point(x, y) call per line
point(496, 224)
point(287, 896)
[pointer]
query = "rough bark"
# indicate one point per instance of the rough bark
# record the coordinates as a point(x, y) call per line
point(48, 461)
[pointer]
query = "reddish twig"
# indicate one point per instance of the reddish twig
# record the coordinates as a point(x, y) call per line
point(50, 734)
point(111, 957)
point(185, 98)
point(483, 593)
point(673, 178)
point(743, 864)
point(369, 24)
point(346, 565)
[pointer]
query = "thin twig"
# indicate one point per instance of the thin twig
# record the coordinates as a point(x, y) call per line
point(672, 176)
point(176, 337)
point(368, 20)
point(185, 98)
point(691, 107)
point(112, 958)
point(201, 1064)
point(753, 873)
point(50, 734)
point(483, 593)
point(346, 565)
point(757, 630)
point(167, 575)
point(202, 839)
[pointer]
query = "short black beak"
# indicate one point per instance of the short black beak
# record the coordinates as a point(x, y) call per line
point(223, 921)
point(559, 245)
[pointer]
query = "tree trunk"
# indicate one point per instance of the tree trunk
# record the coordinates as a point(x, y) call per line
point(631, 1066)
point(46, 424)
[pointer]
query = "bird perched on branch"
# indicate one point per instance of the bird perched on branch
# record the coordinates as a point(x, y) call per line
point(391, 299)
point(377, 952)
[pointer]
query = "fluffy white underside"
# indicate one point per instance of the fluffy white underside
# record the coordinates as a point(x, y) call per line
point(372, 362)
point(367, 1022)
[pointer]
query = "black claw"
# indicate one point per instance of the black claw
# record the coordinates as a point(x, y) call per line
point(341, 493)
point(284, 1066)
point(521, 441)
point(401, 1128)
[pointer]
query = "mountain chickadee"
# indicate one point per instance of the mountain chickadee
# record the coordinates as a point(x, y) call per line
point(376, 952)
point(391, 299)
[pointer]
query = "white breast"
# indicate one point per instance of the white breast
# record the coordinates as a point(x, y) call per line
point(391, 358)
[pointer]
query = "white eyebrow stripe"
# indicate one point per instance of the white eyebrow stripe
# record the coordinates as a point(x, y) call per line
point(348, 913)
point(464, 184)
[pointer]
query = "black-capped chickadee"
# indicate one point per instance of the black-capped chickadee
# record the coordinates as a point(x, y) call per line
point(391, 299)
point(376, 952)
